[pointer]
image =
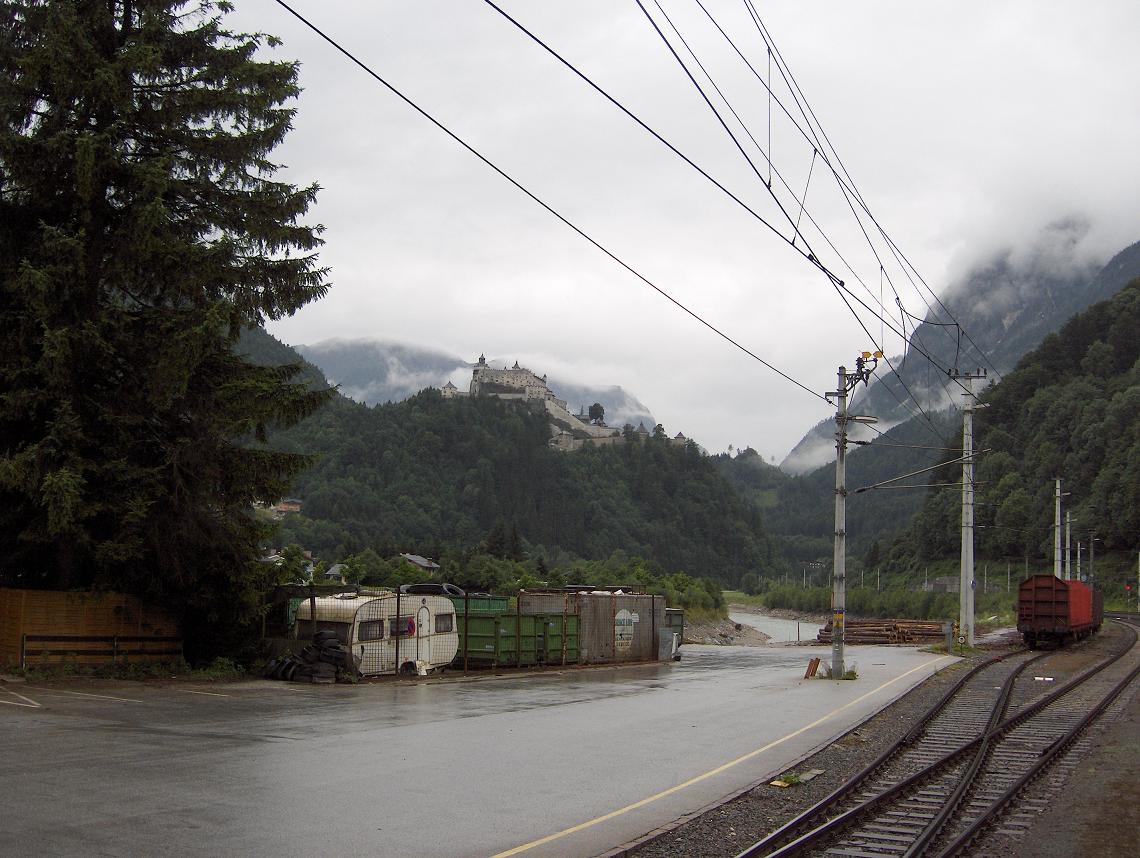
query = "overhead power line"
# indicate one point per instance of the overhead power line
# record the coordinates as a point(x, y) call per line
point(812, 257)
point(900, 257)
point(534, 197)
point(809, 255)
point(836, 282)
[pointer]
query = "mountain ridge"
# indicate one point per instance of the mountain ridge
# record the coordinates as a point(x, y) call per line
point(374, 371)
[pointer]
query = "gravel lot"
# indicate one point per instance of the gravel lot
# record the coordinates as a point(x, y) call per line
point(727, 829)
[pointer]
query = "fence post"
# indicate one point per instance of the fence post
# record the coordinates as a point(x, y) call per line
point(653, 613)
point(466, 628)
point(399, 629)
point(114, 648)
point(24, 651)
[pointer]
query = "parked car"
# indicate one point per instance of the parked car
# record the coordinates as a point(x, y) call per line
point(432, 588)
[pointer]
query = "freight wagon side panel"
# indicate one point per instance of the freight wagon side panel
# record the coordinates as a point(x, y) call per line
point(1080, 606)
point(1043, 605)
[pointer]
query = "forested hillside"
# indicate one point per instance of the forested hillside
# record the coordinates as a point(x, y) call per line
point(1005, 307)
point(1071, 409)
point(429, 475)
point(799, 511)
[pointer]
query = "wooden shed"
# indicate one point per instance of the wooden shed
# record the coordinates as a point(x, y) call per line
point(42, 627)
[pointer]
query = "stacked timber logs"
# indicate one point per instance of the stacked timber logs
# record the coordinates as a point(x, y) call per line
point(886, 632)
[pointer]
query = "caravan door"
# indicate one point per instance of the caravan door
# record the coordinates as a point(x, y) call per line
point(423, 635)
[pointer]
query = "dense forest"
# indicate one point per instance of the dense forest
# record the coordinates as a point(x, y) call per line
point(1071, 409)
point(473, 482)
point(798, 511)
point(435, 476)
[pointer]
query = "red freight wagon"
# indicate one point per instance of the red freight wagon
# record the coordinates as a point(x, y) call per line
point(1055, 610)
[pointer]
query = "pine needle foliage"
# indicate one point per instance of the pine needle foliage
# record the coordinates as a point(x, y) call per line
point(141, 227)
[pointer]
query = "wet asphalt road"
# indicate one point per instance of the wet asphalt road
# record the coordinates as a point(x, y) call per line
point(427, 768)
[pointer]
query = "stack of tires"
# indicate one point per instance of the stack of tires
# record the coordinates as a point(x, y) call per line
point(318, 662)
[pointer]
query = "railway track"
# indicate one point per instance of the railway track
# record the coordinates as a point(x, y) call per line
point(944, 783)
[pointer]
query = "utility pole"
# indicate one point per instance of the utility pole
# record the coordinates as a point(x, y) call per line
point(966, 582)
point(1057, 529)
point(1079, 578)
point(1092, 558)
point(847, 382)
point(1068, 546)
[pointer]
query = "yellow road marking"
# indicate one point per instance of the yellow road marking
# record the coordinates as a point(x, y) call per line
point(711, 773)
point(83, 694)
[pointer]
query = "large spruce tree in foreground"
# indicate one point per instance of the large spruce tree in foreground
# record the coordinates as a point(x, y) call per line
point(140, 229)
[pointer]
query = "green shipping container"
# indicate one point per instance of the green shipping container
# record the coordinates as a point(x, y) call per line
point(480, 604)
point(510, 640)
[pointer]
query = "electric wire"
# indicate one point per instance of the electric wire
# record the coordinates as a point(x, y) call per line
point(885, 482)
point(845, 185)
point(768, 157)
point(836, 282)
point(767, 154)
point(846, 182)
point(518, 185)
point(805, 109)
point(642, 124)
point(839, 180)
point(896, 251)
point(810, 256)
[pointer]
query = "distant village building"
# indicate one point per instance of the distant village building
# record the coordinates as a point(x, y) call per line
point(285, 506)
point(429, 566)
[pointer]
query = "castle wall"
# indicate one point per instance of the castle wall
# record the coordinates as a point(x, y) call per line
point(525, 385)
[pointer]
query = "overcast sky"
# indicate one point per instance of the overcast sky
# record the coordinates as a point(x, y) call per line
point(965, 125)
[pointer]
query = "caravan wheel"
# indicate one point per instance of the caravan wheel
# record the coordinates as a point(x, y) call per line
point(408, 668)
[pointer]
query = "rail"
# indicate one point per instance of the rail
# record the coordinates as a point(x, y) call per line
point(822, 821)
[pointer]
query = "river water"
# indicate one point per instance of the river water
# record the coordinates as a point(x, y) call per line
point(779, 629)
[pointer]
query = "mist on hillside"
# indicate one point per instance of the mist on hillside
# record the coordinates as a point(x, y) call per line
point(374, 372)
point(1007, 299)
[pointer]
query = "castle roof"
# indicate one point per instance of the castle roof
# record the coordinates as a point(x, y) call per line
point(450, 385)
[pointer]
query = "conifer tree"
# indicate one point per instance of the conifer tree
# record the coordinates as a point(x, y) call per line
point(141, 227)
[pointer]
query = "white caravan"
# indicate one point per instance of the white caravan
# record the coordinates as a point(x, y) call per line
point(422, 638)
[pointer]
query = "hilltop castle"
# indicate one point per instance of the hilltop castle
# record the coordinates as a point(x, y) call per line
point(568, 431)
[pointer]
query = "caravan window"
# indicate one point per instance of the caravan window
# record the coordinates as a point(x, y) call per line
point(444, 622)
point(371, 630)
point(401, 627)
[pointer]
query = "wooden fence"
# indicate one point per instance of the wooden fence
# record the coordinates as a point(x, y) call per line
point(41, 627)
